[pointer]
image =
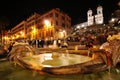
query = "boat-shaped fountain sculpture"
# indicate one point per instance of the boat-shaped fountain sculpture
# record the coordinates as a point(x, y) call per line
point(56, 62)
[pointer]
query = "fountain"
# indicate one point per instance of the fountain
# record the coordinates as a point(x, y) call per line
point(65, 63)
point(54, 62)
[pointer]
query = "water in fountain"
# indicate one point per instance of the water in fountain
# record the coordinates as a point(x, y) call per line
point(56, 59)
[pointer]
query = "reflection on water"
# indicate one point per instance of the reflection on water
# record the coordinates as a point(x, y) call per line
point(10, 72)
point(56, 59)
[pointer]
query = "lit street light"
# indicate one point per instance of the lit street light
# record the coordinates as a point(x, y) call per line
point(47, 25)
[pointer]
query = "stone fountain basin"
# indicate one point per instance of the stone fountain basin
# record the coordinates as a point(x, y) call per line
point(63, 63)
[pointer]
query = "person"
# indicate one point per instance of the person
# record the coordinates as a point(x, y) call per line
point(59, 42)
point(42, 42)
point(64, 44)
point(10, 46)
point(89, 45)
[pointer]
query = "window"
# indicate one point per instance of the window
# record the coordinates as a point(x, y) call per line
point(56, 14)
point(51, 23)
point(99, 12)
point(63, 24)
point(63, 18)
point(51, 14)
point(56, 22)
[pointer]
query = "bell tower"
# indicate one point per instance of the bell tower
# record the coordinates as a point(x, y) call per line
point(90, 17)
point(99, 16)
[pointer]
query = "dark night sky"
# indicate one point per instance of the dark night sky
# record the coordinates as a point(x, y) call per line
point(16, 11)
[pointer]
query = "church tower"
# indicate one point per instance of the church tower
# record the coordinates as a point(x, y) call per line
point(90, 17)
point(99, 15)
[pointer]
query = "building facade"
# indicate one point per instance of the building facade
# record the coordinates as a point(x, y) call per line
point(53, 24)
point(99, 16)
point(92, 19)
point(19, 31)
point(31, 26)
point(95, 19)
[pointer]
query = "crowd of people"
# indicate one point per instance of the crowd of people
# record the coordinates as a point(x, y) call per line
point(93, 35)
point(47, 43)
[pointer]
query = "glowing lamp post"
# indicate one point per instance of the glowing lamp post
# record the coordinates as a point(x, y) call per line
point(47, 25)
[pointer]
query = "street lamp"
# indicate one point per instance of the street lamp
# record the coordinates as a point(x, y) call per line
point(47, 25)
point(47, 22)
